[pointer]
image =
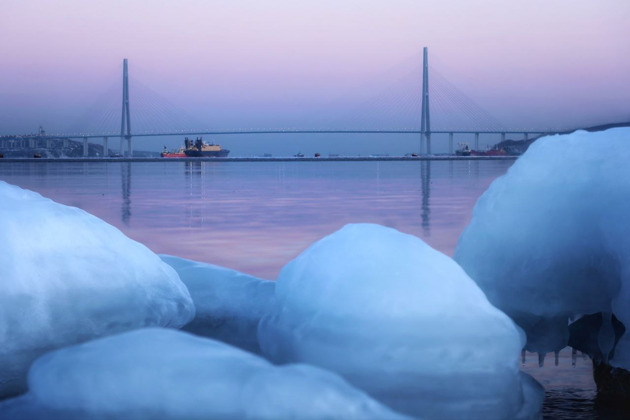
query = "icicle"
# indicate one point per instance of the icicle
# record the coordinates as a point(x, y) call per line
point(541, 359)
point(557, 354)
point(573, 357)
point(523, 357)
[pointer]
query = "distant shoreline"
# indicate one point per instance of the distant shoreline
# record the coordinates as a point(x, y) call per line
point(262, 159)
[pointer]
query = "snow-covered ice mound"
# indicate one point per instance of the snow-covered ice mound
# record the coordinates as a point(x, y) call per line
point(550, 239)
point(67, 276)
point(403, 322)
point(228, 303)
point(166, 374)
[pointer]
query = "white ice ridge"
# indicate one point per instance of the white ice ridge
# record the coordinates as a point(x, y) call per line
point(550, 240)
point(67, 276)
point(166, 374)
point(401, 321)
point(228, 303)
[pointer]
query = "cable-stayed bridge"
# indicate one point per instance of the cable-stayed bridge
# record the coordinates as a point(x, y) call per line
point(411, 105)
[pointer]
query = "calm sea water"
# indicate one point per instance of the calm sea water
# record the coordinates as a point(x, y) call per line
point(257, 216)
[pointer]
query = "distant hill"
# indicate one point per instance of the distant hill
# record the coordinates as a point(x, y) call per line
point(606, 126)
point(518, 147)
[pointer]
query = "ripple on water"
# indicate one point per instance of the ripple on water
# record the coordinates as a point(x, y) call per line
point(569, 404)
point(569, 387)
point(570, 391)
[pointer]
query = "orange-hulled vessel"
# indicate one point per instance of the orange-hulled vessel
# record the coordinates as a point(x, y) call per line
point(489, 152)
point(173, 153)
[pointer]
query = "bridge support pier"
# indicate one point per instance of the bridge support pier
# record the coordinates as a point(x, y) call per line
point(125, 124)
point(85, 146)
point(105, 147)
point(450, 143)
point(425, 120)
point(526, 136)
point(476, 141)
point(502, 136)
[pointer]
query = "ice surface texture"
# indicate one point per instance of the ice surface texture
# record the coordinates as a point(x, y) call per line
point(551, 238)
point(67, 276)
point(166, 374)
point(228, 303)
point(403, 322)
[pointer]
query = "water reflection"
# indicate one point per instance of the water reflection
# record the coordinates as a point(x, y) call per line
point(195, 168)
point(255, 217)
point(125, 172)
point(425, 182)
point(195, 209)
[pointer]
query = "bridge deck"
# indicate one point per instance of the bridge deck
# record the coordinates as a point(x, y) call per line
point(243, 132)
point(263, 159)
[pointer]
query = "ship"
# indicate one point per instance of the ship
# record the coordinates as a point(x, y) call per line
point(196, 148)
point(199, 148)
point(173, 153)
point(495, 151)
point(463, 150)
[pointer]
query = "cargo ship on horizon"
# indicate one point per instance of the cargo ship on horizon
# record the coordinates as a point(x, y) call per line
point(465, 150)
point(196, 148)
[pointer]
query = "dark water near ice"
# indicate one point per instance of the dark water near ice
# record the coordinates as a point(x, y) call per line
point(257, 216)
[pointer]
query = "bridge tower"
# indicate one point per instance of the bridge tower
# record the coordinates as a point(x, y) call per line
point(125, 123)
point(425, 124)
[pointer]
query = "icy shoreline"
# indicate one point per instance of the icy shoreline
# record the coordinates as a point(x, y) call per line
point(87, 283)
point(371, 320)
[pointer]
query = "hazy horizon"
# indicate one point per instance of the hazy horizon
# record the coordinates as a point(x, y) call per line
point(281, 64)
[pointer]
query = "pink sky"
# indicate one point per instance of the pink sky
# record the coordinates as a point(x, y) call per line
point(528, 63)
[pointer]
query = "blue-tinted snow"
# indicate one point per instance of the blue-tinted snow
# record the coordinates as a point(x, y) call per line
point(228, 303)
point(403, 322)
point(550, 240)
point(67, 276)
point(166, 374)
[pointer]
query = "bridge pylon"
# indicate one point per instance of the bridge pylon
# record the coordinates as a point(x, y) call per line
point(125, 123)
point(425, 122)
